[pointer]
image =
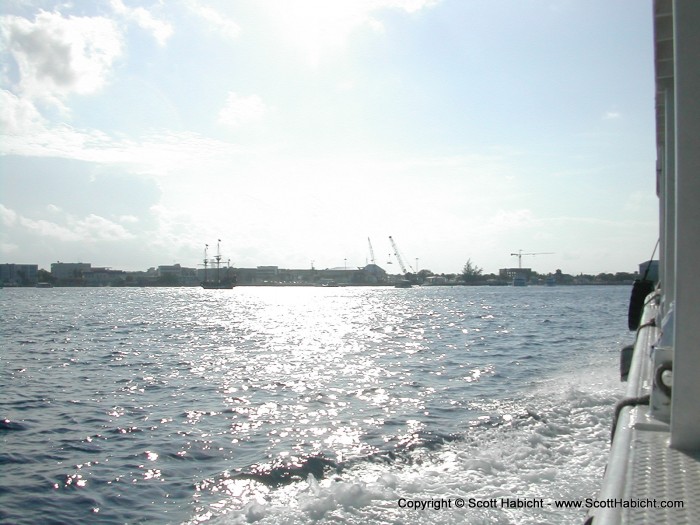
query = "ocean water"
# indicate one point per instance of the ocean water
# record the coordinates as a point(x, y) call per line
point(306, 405)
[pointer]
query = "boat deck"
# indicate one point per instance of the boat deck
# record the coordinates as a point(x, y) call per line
point(661, 473)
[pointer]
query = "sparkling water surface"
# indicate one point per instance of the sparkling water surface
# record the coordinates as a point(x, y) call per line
point(302, 405)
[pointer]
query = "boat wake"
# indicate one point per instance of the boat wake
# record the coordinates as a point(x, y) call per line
point(502, 455)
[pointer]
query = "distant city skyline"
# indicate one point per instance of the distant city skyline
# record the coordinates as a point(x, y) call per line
point(392, 268)
point(80, 274)
point(134, 131)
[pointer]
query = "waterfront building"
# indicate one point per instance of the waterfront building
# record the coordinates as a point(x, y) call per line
point(103, 277)
point(12, 274)
point(273, 275)
point(512, 273)
point(69, 272)
point(177, 275)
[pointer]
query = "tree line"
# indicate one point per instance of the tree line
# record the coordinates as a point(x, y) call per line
point(472, 274)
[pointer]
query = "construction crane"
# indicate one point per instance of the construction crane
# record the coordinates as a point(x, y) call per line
point(520, 254)
point(371, 251)
point(398, 256)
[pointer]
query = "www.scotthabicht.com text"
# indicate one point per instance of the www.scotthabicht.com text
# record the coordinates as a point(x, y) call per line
point(533, 503)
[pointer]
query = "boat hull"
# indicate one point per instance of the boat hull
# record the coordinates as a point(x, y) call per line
point(217, 286)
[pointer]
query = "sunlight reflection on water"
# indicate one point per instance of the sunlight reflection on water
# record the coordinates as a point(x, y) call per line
point(205, 401)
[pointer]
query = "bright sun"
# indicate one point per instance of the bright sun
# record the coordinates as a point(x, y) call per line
point(318, 28)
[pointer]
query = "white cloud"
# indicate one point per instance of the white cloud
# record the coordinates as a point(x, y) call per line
point(96, 228)
point(58, 56)
point(86, 229)
point(143, 18)
point(59, 141)
point(157, 154)
point(612, 115)
point(7, 216)
point(215, 20)
point(18, 116)
point(239, 110)
point(48, 229)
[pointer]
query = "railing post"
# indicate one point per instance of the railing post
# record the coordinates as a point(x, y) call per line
point(685, 416)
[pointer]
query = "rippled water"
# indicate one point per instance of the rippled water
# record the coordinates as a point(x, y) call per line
point(296, 405)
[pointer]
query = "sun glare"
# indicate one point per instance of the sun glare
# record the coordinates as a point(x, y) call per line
point(318, 28)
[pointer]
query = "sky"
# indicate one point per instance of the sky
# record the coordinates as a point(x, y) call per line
point(134, 132)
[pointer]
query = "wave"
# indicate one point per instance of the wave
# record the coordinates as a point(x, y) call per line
point(540, 445)
point(7, 425)
point(320, 466)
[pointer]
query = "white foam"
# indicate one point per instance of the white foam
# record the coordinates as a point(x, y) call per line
point(558, 454)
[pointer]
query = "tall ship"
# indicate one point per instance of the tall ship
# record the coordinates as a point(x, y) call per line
point(213, 278)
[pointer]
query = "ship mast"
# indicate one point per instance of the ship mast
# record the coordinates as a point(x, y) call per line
point(218, 261)
point(206, 261)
